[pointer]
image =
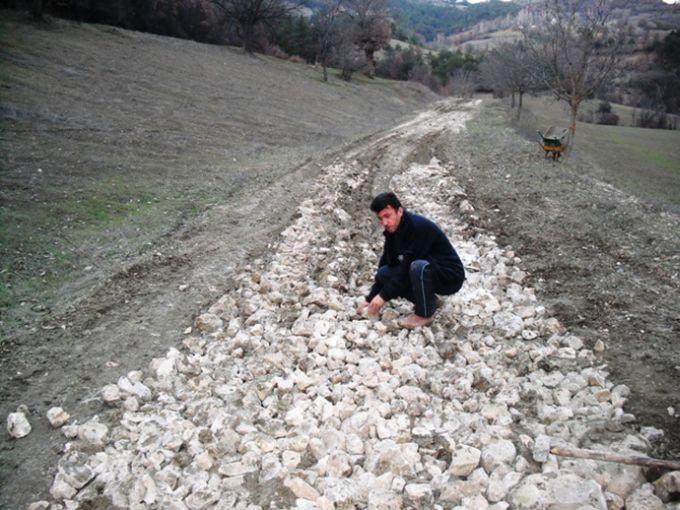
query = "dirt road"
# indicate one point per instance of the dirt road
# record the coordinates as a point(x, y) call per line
point(367, 166)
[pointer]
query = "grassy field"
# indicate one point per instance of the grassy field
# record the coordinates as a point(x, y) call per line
point(639, 161)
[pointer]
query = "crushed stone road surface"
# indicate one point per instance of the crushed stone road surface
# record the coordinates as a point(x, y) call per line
point(286, 399)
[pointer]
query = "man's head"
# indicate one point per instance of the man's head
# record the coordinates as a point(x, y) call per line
point(389, 210)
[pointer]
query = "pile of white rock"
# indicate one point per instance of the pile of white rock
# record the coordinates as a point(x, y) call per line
point(286, 399)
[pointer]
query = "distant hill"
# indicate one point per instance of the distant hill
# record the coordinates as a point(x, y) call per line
point(646, 19)
point(430, 20)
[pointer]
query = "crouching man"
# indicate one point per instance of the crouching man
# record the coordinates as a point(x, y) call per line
point(418, 262)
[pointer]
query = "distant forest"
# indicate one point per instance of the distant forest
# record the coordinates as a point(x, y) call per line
point(428, 20)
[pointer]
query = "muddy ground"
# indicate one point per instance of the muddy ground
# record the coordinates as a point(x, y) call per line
point(606, 262)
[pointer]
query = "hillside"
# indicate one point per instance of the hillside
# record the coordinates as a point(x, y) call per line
point(137, 173)
point(645, 20)
point(101, 124)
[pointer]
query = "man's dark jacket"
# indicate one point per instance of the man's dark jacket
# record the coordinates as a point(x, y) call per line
point(417, 238)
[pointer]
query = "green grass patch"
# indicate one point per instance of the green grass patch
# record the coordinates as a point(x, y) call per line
point(43, 245)
point(656, 157)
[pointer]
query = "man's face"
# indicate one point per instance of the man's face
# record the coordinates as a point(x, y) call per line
point(390, 218)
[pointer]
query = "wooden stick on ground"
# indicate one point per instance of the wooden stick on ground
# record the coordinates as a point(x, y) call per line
point(637, 460)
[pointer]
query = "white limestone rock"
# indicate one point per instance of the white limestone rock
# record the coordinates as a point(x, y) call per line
point(621, 479)
point(137, 388)
point(384, 499)
point(565, 490)
point(668, 486)
point(457, 490)
point(208, 323)
point(499, 452)
point(60, 489)
point(466, 207)
point(93, 432)
point(202, 498)
point(508, 323)
point(644, 499)
point(464, 460)
point(341, 492)
point(57, 417)
point(18, 425)
point(401, 459)
point(501, 480)
point(131, 404)
point(541, 449)
point(419, 494)
point(110, 394)
point(75, 470)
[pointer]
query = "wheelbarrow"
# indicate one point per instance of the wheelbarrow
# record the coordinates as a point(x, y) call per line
point(552, 142)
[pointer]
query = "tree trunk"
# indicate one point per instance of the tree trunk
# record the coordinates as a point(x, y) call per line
point(519, 105)
point(347, 73)
point(325, 71)
point(370, 63)
point(512, 100)
point(572, 127)
point(247, 31)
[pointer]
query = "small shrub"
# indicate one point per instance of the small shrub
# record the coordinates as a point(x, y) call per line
point(604, 107)
point(276, 52)
point(296, 59)
point(608, 119)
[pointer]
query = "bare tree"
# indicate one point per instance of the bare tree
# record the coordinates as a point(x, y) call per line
point(372, 28)
point(508, 69)
point(248, 15)
point(461, 83)
point(346, 55)
point(326, 23)
point(575, 50)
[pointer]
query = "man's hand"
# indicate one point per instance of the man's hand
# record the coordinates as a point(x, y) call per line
point(375, 305)
point(362, 307)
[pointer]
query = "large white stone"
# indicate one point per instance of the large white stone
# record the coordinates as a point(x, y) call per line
point(208, 323)
point(136, 388)
point(499, 452)
point(668, 485)
point(508, 323)
point(18, 425)
point(384, 499)
point(93, 432)
point(419, 494)
point(401, 459)
point(301, 489)
point(464, 460)
point(57, 416)
point(644, 499)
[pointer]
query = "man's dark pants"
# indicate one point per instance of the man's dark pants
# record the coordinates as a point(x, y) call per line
point(424, 281)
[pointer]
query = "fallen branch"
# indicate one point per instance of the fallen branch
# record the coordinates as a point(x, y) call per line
point(637, 460)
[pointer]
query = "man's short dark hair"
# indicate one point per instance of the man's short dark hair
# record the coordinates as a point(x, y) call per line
point(385, 200)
